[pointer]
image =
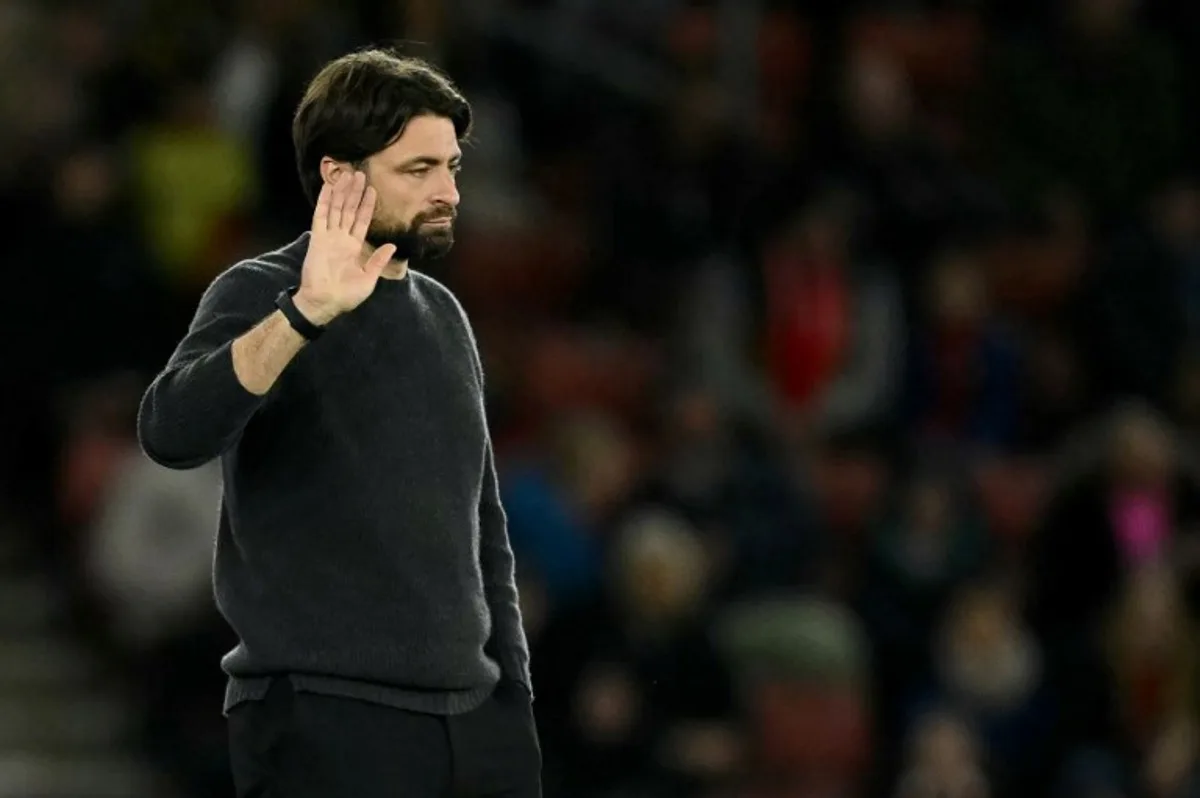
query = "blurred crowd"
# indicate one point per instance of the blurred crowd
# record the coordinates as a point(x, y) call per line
point(843, 364)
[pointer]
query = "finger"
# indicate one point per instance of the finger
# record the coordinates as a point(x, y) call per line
point(337, 201)
point(379, 260)
point(321, 212)
point(366, 209)
point(354, 195)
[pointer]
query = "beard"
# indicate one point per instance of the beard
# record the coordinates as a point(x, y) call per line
point(416, 240)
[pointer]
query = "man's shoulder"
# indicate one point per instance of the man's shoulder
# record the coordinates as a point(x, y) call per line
point(267, 272)
point(437, 293)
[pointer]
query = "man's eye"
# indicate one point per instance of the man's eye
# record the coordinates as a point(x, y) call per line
point(419, 171)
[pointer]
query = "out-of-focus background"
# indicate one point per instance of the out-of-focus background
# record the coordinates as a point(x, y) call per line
point(843, 370)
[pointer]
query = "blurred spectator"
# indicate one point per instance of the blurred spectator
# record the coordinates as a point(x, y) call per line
point(148, 555)
point(136, 540)
point(743, 493)
point(560, 506)
point(148, 561)
point(929, 541)
point(111, 91)
point(989, 670)
point(116, 293)
point(246, 75)
point(1176, 227)
point(1117, 510)
point(1010, 493)
point(36, 103)
point(801, 668)
point(852, 477)
point(932, 538)
point(834, 330)
point(195, 184)
point(1172, 769)
point(1153, 657)
point(964, 364)
point(1133, 501)
point(1037, 264)
point(944, 761)
point(718, 336)
point(1056, 396)
point(913, 190)
point(676, 187)
point(97, 437)
point(85, 263)
point(1135, 323)
point(638, 703)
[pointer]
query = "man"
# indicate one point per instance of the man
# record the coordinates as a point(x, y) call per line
point(362, 556)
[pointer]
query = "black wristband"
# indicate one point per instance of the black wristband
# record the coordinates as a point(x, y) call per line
point(299, 322)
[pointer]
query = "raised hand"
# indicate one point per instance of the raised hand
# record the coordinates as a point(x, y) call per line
point(338, 273)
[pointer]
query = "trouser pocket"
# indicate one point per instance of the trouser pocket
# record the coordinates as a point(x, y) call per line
point(257, 733)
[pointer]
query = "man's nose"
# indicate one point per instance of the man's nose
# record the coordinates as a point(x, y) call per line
point(447, 190)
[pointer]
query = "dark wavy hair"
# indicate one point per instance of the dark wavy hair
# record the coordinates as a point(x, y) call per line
point(360, 103)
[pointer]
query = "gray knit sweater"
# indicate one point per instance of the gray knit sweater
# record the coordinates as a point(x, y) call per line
point(362, 548)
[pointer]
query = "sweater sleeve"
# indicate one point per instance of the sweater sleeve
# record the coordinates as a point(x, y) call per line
point(196, 408)
point(507, 643)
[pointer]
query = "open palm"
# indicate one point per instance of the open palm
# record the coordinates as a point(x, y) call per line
point(339, 272)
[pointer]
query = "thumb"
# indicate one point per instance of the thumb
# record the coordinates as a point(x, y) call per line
point(379, 259)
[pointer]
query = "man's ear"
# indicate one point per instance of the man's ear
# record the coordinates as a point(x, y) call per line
point(332, 170)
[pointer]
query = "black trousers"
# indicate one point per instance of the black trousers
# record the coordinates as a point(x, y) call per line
point(306, 745)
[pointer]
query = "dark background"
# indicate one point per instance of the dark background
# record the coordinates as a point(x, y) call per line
point(843, 370)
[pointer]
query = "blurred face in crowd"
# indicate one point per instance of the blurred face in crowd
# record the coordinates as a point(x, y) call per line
point(1141, 451)
point(929, 507)
point(85, 184)
point(986, 657)
point(944, 760)
point(1151, 615)
point(944, 742)
point(980, 623)
point(415, 178)
point(1170, 765)
point(1102, 19)
point(695, 416)
point(662, 568)
point(958, 292)
point(817, 235)
point(877, 96)
point(593, 461)
point(607, 704)
point(83, 37)
point(928, 531)
point(1177, 217)
point(697, 457)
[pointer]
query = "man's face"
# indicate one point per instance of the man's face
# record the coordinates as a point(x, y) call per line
point(415, 179)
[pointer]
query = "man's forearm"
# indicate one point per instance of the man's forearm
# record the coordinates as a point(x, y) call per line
point(261, 355)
